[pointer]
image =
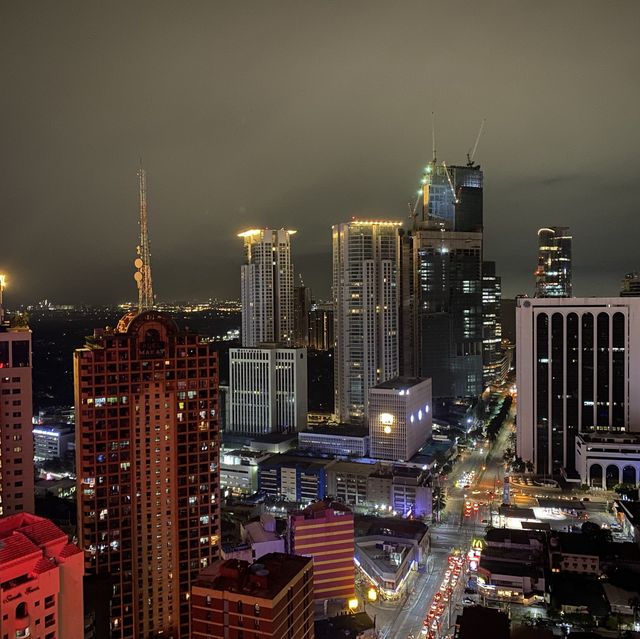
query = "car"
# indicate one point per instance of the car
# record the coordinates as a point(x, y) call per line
point(467, 601)
point(441, 608)
point(485, 521)
point(437, 597)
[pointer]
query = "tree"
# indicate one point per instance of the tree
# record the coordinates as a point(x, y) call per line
point(529, 466)
point(438, 500)
point(629, 490)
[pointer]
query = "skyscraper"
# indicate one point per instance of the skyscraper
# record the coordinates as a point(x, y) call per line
point(147, 455)
point(16, 412)
point(365, 302)
point(575, 360)
point(492, 354)
point(301, 309)
point(442, 282)
point(267, 389)
point(267, 287)
point(553, 275)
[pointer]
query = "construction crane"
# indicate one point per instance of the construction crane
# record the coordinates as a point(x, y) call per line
point(453, 191)
point(142, 263)
point(472, 152)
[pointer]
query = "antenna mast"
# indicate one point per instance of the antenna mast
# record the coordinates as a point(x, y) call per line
point(142, 263)
point(433, 135)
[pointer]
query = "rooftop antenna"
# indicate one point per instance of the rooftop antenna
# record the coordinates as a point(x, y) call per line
point(472, 153)
point(433, 135)
point(142, 263)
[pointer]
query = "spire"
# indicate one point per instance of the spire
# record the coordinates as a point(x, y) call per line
point(142, 263)
point(3, 281)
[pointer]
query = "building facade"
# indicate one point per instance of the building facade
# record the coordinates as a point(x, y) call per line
point(492, 354)
point(326, 533)
point(41, 576)
point(400, 418)
point(301, 310)
point(576, 358)
point(606, 459)
point(296, 479)
point(321, 327)
point(267, 389)
point(52, 442)
point(630, 285)
point(340, 441)
point(272, 599)
point(16, 413)
point(147, 455)
point(553, 275)
point(365, 303)
point(267, 287)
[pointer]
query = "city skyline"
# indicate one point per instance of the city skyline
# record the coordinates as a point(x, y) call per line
point(326, 139)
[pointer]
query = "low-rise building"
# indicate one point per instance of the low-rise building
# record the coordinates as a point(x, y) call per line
point(389, 550)
point(500, 579)
point(267, 600)
point(349, 482)
point(239, 470)
point(602, 461)
point(296, 479)
point(401, 487)
point(354, 626)
point(342, 440)
point(52, 442)
point(478, 622)
point(628, 513)
point(62, 488)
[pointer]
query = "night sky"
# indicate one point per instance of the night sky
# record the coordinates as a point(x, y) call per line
point(303, 114)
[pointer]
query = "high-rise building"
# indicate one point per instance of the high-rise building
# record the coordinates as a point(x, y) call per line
point(267, 389)
point(631, 285)
point(267, 287)
point(442, 282)
point(492, 354)
point(16, 412)
point(575, 360)
point(325, 531)
point(553, 275)
point(301, 309)
point(272, 599)
point(147, 454)
point(41, 576)
point(400, 418)
point(321, 327)
point(365, 303)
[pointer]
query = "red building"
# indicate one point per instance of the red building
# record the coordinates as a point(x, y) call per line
point(325, 532)
point(272, 599)
point(16, 412)
point(40, 580)
point(147, 451)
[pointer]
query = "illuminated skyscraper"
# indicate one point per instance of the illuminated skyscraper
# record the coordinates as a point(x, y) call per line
point(442, 282)
point(147, 454)
point(16, 412)
point(365, 302)
point(553, 275)
point(492, 355)
point(267, 287)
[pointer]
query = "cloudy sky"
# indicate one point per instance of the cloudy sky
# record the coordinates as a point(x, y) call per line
point(303, 114)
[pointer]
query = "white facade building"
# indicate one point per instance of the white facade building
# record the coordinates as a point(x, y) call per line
point(267, 287)
point(575, 361)
point(342, 441)
point(365, 302)
point(602, 461)
point(400, 418)
point(267, 389)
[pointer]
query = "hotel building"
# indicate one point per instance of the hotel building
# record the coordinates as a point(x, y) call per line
point(147, 453)
point(553, 275)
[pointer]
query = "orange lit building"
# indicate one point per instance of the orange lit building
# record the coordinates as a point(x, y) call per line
point(40, 580)
point(272, 599)
point(16, 412)
point(325, 532)
point(147, 452)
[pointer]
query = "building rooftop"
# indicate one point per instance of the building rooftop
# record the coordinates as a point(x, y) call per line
point(401, 383)
point(512, 536)
point(368, 526)
point(264, 579)
point(477, 622)
point(323, 509)
point(343, 626)
point(503, 567)
point(574, 590)
point(309, 464)
point(24, 534)
point(339, 430)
